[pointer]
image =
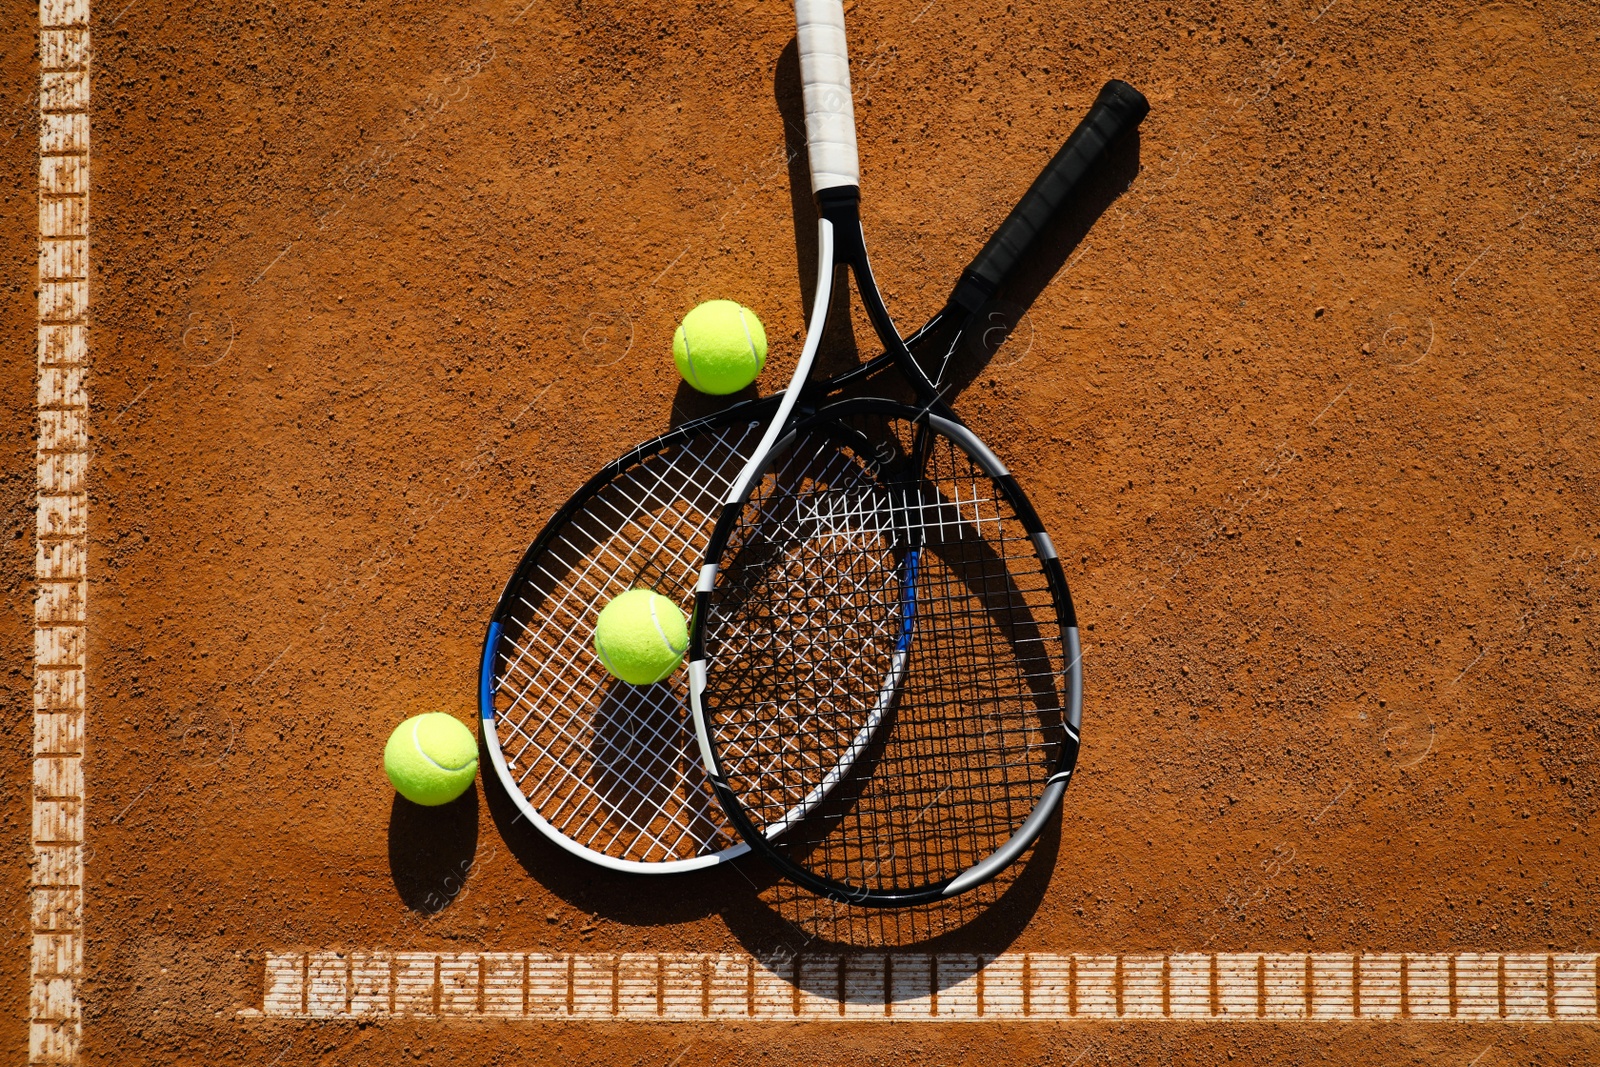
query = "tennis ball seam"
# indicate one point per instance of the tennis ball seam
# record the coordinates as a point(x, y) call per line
point(751, 341)
point(416, 743)
point(688, 358)
point(605, 660)
point(656, 621)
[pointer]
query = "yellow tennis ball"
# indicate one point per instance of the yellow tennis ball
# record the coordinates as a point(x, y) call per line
point(641, 637)
point(431, 759)
point(720, 347)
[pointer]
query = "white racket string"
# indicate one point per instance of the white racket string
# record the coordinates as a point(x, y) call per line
point(610, 766)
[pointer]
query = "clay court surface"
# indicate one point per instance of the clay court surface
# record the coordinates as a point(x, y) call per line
point(1304, 390)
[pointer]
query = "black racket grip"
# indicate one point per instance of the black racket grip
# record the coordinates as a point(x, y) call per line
point(1118, 109)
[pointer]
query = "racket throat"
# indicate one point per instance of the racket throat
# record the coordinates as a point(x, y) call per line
point(841, 206)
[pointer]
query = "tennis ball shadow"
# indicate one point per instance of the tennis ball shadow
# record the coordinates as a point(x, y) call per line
point(432, 850)
point(689, 403)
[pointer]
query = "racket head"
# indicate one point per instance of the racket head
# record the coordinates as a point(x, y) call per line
point(608, 770)
point(609, 733)
point(624, 751)
point(885, 669)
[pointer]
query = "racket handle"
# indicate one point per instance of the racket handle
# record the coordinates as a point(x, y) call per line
point(825, 79)
point(1118, 109)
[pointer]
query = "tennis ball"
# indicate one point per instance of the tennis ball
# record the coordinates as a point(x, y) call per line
point(720, 347)
point(431, 759)
point(641, 637)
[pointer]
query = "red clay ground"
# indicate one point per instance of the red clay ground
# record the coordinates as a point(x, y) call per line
point(19, 242)
point(1311, 415)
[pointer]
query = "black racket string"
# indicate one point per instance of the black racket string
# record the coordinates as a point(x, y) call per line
point(848, 625)
point(976, 721)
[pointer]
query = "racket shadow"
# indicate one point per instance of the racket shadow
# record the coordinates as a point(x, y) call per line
point(1004, 323)
point(1005, 317)
point(783, 920)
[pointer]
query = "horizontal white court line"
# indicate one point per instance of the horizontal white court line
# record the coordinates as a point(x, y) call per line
point(1223, 986)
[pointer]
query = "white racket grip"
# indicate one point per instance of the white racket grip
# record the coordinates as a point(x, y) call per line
point(825, 78)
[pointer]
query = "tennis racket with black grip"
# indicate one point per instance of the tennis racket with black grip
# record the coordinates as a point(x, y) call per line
point(885, 671)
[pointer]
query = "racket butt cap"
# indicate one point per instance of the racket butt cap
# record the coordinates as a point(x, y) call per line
point(1128, 105)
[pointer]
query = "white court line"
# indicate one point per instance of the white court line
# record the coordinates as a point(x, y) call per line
point(906, 986)
point(56, 889)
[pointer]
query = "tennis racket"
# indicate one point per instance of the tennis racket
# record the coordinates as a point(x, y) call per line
point(611, 772)
point(885, 671)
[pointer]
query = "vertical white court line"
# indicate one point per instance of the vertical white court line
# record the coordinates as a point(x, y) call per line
point(56, 890)
point(504, 975)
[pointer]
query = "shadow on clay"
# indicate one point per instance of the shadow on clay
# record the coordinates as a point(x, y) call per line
point(779, 920)
point(630, 899)
point(999, 332)
point(432, 850)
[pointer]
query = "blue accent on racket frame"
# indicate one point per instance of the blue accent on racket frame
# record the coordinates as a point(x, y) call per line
point(486, 674)
point(908, 601)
